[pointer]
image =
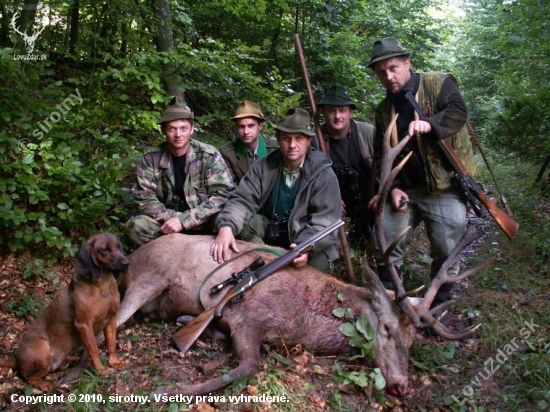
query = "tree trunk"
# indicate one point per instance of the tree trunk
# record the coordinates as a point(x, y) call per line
point(164, 42)
point(73, 29)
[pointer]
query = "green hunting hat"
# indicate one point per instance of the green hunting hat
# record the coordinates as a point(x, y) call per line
point(177, 109)
point(336, 96)
point(386, 48)
point(248, 109)
point(296, 121)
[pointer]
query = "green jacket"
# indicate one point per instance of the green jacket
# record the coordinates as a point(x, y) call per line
point(438, 170)
point(238, 158)
point(207, 184)
point(317, 202)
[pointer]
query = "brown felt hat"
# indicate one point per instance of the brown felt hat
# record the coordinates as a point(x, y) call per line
point(177, 109)
point(386, 48)
point(296, 121)
point(248, 109)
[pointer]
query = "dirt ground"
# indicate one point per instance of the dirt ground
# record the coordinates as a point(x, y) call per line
point(150, 361)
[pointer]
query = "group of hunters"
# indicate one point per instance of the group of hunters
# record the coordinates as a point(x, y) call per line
point(281, 191)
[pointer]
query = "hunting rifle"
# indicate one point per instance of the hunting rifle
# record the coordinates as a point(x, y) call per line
point(186, 336)
point(321, 141)
point(469, 187)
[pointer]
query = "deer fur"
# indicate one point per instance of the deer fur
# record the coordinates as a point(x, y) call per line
point(293, 306)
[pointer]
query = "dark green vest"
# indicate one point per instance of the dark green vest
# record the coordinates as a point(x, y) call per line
point(281, 200)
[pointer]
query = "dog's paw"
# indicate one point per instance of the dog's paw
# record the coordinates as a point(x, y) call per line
point(43, 385)
point(116, 363)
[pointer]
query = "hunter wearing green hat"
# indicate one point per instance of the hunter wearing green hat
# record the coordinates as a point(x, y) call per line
point(284, 198)
point(180, 185)
point(424, 190)
point(251, 143)
point(349, 144)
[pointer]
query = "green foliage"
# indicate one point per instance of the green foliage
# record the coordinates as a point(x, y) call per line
point(362, 336)
point(433, 357)
point(506, 48)
point(27, 307)
point(69, 177)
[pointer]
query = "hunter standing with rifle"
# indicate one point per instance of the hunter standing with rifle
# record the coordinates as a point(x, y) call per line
point(349, 144)
point(424, 190)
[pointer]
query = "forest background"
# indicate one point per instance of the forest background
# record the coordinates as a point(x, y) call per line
point(77, 115)
point(67, 171)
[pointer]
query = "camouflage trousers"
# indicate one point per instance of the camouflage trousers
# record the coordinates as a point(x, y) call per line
point(142, 229)
point(255, 232)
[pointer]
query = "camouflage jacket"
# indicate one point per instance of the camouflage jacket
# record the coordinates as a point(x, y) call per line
point(207, 184)
point(238, 158)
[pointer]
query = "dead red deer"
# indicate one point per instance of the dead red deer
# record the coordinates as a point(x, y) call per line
point(168, 277)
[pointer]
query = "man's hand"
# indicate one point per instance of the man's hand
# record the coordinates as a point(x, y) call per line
point(301, 260)
point(220, 248)
point(172, 225)
point(417, 127)
point(399, 200)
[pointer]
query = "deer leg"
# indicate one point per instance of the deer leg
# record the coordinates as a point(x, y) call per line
point(246, 343)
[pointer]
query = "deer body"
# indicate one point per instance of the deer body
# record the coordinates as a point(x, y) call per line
point(293, 306)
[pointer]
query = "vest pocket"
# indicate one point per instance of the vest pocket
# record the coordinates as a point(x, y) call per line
point(439, 177)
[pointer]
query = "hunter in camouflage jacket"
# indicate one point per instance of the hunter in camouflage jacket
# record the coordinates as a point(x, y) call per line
point(207, 185)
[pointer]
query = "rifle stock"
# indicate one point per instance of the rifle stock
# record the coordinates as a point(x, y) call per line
point(471, 189)
point(184, 338)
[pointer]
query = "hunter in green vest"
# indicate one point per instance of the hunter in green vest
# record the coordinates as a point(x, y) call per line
point(251, 143)
point(424, 189)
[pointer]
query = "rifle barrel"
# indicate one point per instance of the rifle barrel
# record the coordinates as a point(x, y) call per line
point(322, 146)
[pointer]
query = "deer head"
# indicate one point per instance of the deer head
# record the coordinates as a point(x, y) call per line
point(29, 40)
point(418, 310)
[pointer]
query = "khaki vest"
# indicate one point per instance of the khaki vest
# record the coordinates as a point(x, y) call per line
point(438, 169)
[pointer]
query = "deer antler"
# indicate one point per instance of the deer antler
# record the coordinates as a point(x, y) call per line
point(419, 312)
point(388, 174)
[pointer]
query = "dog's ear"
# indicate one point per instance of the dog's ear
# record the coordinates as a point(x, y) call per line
point(85, 262)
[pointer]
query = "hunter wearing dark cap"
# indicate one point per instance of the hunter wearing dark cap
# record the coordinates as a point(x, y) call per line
point(251, 143)
point(424, 190)
point(349, 145)
point(284, 198)
point(180, 185)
